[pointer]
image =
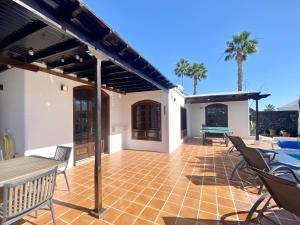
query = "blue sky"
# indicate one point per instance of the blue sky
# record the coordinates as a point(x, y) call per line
point(164, 31)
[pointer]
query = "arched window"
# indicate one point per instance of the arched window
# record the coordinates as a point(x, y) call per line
point(216, 115)
point(146, 120)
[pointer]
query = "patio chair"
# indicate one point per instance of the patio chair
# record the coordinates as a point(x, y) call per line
point(254, 158)
point(235, 142)
point(238, 143)
point(285, 193)
point(24, 196)
point(63, 154)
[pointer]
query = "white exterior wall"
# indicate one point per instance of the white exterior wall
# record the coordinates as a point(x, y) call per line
point(40, 116)
point(128, 101)
point(238, 118)
point(12, 106)
point(117, 125)
point(48, 114)
point(176, 101)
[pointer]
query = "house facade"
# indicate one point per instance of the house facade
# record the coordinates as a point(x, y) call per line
point(40, 115)
point(50, 66)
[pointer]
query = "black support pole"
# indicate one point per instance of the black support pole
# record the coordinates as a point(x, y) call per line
point(98, 211)
point(257, 119)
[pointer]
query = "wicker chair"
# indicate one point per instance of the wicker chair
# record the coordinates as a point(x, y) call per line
point(24, 196)
point(285, 193)
point(63, 154)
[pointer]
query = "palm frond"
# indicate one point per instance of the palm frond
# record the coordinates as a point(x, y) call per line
point(240, 46)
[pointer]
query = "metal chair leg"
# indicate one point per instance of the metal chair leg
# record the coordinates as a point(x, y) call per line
point(229, 151)
point(52, 211)
point(240, 164)
point(66, 178)
point(254, 208)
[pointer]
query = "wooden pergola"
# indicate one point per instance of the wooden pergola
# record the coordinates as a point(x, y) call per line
point(64, 38)
point(231, 97)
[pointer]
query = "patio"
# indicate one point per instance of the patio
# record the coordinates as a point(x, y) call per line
point(188, 186)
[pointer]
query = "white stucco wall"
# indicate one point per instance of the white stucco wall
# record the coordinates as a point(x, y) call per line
point(238, 118)
point(128, 101)
point(176, 101)
point(117, 125)
point(12, 106)
point(48, 113)
point(40, 116)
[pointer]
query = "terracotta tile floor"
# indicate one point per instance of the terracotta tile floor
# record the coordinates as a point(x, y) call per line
point(187, 187)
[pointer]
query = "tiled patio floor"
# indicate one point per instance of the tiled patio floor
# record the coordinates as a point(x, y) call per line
point(188, 186)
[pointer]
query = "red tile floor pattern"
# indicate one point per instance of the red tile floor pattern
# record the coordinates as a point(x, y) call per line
point(187, 187)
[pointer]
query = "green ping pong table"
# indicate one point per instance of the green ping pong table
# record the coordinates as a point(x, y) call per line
point(215, 130)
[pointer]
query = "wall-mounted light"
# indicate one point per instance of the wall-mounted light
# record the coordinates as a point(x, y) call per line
point(64, 88)
point(30, 51)
point(62, 60)
point(1, 87)
point(77, 57)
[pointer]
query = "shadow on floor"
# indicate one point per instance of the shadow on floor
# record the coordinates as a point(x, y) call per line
point(72, 206)
point(193, 221)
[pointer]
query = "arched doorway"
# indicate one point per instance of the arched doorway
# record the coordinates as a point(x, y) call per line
point(216, 115)
point(84, 136)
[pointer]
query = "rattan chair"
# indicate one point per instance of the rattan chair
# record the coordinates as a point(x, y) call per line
point(285, 193)
point(24, 196)
point(63, 154)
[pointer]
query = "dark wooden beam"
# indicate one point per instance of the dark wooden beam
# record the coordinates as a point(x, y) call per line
point(113, 90)
point(122, 51)
point(15, 63)
point(50, 17)
point(35, 68)
point(30, 28)
point(112, 69)
point(68, 61)
point(141, 89)
point(128, 81)
point(134, 85)
point(82, 70)
point(119, 78)
point(113, 66)
point(57, 49)
point(116, 73)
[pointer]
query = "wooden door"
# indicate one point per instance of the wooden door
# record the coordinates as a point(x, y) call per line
point(84, 136)
point(83, 123)
point(105, 122)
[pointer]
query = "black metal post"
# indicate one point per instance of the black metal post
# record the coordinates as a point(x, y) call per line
point(256, 132)
point(98, 211)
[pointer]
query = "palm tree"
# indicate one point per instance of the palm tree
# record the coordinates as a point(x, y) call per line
point(239, 49)
point(270, 108)
point(182, 69)
point(197, 72)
